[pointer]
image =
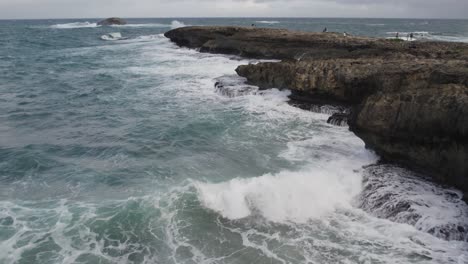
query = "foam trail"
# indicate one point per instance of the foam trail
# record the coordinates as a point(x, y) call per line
point(112, 36)
point(149, 25)
point(425, 35)
point(75, 25)
point(267, 22)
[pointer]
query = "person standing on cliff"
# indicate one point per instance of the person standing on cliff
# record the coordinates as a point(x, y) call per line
point(325, 30)
point(397, 35)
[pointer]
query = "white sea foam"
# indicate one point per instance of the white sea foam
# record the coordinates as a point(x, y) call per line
point(446, 38)
point(155, 25)
point(75, 25)
point(177, 24)
point(425, 35)
point(375, 25)
point(112, 36)
point(402, 196)
point(174, 24)
point(268, 22)
point(288, 196)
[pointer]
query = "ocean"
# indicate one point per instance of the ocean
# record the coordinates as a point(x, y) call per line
point(119, 149)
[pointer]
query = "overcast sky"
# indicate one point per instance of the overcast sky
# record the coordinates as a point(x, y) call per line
point(233, 8)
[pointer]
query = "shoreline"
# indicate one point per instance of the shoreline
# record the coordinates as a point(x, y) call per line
point(408, 100)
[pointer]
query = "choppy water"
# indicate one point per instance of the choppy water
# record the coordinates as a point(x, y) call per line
point(124, 152)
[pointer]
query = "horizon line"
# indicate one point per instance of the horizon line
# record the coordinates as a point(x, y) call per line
point(225, 17)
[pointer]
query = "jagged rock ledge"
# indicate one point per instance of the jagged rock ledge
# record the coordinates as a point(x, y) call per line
point(409, 99)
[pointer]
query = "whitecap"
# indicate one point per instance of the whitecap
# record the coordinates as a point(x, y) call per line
point(287, 196)
point(75, 25)
point(425, 35)
point(268, 22)
point(112, 36)
point(177, 24)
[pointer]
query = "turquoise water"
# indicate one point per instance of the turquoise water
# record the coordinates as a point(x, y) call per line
point(124, 152)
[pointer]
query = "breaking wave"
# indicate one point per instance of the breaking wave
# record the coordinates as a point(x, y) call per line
point(287, 196)
point(112, 36)
point(174, 24)
point(177, 24)
point(75, 25)
point(433, 36)
point(268, 22)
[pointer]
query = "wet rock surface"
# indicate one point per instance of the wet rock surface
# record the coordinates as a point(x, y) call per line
point(233, 86)
point(338, 119)
point(401, 196)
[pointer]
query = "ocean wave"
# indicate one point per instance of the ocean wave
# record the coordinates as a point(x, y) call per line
point(446, 38)
point(112, 36)
point(174, 24)
point(425, 35)
point(287, 196)
point(268, 22)
point(75, 25)
point(156, 25)
point(407, 33)
point(177, 24)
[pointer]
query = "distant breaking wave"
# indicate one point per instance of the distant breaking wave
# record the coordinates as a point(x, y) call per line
point(174, 24)
point(177, 24)
point(75, 25)
point(268, 22)
point(424, 35)
point(375, 25)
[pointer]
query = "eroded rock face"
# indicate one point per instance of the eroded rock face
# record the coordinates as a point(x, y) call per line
point(352, 80)
point(427, 128)
point(112, 21)
point(411, 111)
point(409, 100)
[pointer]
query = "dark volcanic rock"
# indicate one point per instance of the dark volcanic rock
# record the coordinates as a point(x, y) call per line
point(426, 127)
point(233, 86)
point(112, 21)
point(284, 44)
point(338, 119)
point(352, 80)
point(409, 100)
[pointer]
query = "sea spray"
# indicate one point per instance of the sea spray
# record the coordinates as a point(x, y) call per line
point(288, 196)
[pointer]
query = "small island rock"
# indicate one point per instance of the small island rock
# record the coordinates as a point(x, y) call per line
point(112, 21)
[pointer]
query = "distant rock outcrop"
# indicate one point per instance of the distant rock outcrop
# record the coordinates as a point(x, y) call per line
point(112, 21)
point(409, 100)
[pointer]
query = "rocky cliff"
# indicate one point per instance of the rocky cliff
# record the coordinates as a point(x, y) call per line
point(409, 100)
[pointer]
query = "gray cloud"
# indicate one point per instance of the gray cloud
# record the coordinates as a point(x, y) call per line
point(220, 8)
